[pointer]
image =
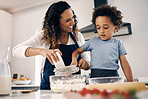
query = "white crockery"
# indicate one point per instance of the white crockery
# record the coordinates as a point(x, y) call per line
point(25, 82)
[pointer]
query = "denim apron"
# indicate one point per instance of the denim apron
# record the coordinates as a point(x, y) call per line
point(103, 73)
point(67, 58)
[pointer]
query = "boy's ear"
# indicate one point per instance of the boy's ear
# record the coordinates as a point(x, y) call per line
point(116, 29)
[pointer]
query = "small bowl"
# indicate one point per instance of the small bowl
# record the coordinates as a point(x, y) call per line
point(106, 80)
point(68, 70)
point(25, 82)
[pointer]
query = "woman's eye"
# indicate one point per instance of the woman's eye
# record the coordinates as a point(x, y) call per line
point(67, 20)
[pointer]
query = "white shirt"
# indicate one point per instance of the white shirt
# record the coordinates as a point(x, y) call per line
point(36, 41)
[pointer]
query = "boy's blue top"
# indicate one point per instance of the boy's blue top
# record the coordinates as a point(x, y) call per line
point(104, 53)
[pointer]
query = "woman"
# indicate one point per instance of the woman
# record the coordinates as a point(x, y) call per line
point(59, 34)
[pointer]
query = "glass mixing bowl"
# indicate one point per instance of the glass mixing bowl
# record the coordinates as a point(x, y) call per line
point(67, 83)
point(106, 80)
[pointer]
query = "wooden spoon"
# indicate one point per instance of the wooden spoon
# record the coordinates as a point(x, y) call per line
point(28, 91)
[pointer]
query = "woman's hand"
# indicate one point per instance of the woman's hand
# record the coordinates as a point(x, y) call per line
point(51, 54)
point(84, 64)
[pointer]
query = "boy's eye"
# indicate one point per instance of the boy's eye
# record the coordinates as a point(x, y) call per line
point(98, 28)
point(105, 27)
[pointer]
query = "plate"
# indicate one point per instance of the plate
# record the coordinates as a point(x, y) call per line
point(143, 79)
point(26, 82)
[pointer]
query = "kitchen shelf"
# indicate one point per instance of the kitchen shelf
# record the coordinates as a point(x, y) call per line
point(90, 31)
point(25, 87)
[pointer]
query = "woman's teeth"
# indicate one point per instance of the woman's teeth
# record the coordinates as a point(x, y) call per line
point(70, 27)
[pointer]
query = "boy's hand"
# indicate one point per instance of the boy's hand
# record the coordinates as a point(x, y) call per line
point(74, 62)
point(83, 64)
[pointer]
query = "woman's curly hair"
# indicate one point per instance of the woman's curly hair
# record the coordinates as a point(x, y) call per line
point(51, 24)
point(111, 12)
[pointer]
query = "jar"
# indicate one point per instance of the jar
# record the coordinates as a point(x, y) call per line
point(5, 75)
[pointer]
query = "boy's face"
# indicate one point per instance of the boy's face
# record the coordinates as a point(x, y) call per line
point(105, 27)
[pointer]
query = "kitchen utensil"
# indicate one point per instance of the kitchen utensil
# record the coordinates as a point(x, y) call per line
point(22, 82)
point(28, 91)
point(143, 79)
point(5, 75)
point(62, 70)
point(67, 70)
point(15, 76)
point(67, 83)
point(126, 86)
point(59, 64)
point(106, 80)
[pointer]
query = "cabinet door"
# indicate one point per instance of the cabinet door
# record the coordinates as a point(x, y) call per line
point(5, 29)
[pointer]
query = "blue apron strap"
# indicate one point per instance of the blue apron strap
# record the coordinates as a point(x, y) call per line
point(73, 38)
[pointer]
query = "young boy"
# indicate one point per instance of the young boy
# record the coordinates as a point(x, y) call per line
point(105, 50)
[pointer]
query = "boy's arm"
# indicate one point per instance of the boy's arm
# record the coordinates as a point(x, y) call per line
point(126, 68)
point(75, 55)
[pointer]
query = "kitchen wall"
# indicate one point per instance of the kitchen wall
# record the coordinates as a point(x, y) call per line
point(135, 13)
point(27, 21)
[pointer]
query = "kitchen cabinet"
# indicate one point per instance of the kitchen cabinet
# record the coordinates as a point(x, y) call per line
point(25, 87)
point(5, 29)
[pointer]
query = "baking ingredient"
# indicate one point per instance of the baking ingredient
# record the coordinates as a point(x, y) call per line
point(100, 94)
point(5, 74)
point(138, 86)
point(59, 64)
point(66, 71)
point(15, 77)
point(67, 83)
point(23, 78)
point(5, 85)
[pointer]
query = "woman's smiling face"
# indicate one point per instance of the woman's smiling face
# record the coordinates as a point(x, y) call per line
point(67, 21)
point(105, 27)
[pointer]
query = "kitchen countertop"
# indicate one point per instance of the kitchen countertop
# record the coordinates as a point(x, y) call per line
point(40, 94)
point(48, 94)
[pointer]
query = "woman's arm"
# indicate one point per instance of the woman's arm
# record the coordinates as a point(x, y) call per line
point(34, 42)
point(49, 53)
point(126, 68)
point(35, 46)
